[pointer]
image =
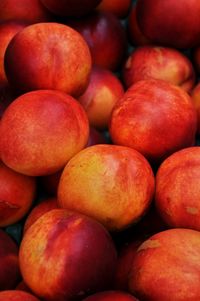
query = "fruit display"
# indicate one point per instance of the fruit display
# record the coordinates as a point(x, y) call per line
point(99, 150)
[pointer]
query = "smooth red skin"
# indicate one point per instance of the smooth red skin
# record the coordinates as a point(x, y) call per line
point(17, 295)
point(167, 267)
point(105, 37)
point(170, 23)
point(124, 263)
point(111, 296)
point(17, 193)
point(74, 8)
point(117, 7)
point(29, 11)
point(95, 137)
point(36, 59)
point(81, 249)
point(136, 37)
point(154, 117)
point(195, 94)
point(41, 131)
point(112, 184)
point(178, 189)
point(40, 209)
point(7, 31)
point(100, 97)
point(9, 272)
point(152, 62)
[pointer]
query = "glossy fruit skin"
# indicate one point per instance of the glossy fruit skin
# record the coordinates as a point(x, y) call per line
point(155, 118)
point(103, 30)
point(47, 68)
point(153, 62)
point(41, 130)
point(113, 184)
point(17, 193)
point(117, 7)
point(170, 23)
point(167, 267)
point(17, 295)
point(81, 250)
point(177, 189)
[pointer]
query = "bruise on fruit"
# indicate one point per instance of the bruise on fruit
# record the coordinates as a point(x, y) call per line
point(149, 244)
point(192, 210)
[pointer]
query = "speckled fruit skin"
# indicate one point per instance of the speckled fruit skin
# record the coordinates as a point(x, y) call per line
point(113, 184)
point(7, 31)
point(153, 62)
point(80, 254)
point(36, 59)
point(195, 94)
point(74, 8)
point(9, 273)
point(29, 11)
point(111, 296)
point(41, 130)
point(117, 7)
point(17, 193)
point(170, 23)
point(178, 189)
point(154, 117)
point(167, 267)
point(17, 295)
point(100, 97)
point(40, 209)
point(105, 37)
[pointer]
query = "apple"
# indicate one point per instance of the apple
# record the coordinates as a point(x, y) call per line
point(75, 8)
point(178, 189)
point(167, 267)
point(29, 11)
point(36, 59)
point(105, 36)
point(38, 210)
point(79, 251)
point(117, 7)
point(111, 296)
point(153, 62)
point(195, 94)
point(136, 37)
point(102, 93)
point(155, 118)
point(112, 184)
point(170, 23)
point(17, 295)
point(7, 31)
point(41, 130)
point(9, 273)
point(17, 193)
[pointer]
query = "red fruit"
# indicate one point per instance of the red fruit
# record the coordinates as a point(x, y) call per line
point(100, 97)
point(17, 194)
point(154, 117)
point(95, 137)
point(117, 7)
point(9, 272)
point(80, 254)
point(151, 62)
point(178, 189)
point(170, 23)
point(105, 37)
point(111, 296)
point(167, 267)
point(36, 59)
point(110, 183)
point(17, 295)
point(70, 7)
point(41, 131)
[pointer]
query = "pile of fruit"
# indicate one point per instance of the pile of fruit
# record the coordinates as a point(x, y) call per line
point(99, 150)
